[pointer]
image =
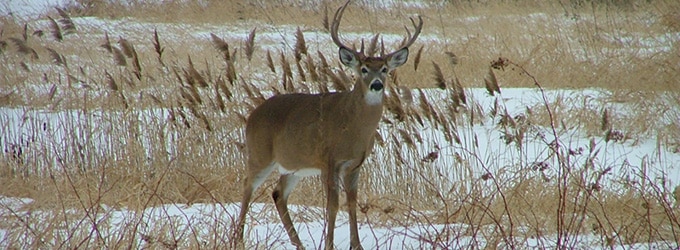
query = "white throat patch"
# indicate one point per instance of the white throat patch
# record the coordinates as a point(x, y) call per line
point(374, 97)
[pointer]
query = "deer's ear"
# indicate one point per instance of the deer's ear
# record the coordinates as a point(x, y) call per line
point(397, 58)
point(348, 57)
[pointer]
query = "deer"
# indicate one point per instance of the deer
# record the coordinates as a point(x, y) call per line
point(327, 134)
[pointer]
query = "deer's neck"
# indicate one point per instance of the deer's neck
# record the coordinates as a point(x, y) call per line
point(373, 98)
point(368, 104)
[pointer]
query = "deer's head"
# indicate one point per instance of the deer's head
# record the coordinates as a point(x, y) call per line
point(372, 70)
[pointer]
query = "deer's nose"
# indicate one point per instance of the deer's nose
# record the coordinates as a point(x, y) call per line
point(376, 85)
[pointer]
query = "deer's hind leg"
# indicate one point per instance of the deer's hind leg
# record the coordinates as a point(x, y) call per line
point(287, 183)
point(255, 178)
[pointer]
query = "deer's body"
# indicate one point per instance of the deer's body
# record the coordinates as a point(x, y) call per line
point(292, 130)
point(328, 134)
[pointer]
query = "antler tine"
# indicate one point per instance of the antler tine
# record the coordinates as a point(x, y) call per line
point(361, 51)
point(418, 28)
point(336, 24)
point(382, 47)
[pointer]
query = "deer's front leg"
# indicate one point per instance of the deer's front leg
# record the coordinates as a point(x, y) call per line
point(331, 187)
point(351, 184)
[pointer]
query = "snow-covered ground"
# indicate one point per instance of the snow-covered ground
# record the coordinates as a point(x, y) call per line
point(198, 222)
point(203, 224)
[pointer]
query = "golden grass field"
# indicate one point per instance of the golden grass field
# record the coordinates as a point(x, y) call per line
point(117, 115)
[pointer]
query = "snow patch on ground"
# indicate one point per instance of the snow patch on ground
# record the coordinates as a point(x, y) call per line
point(28, 9)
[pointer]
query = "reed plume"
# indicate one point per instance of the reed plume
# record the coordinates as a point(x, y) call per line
point(223, 86)
point(301, 71)
point(157, 47)
point(453, 59)
point(221, 45)
point(119, 57)
point(438, 76)
point(218, 98)
point(193, 77)
point(300, 45)
point(270, 62)
point(326, 24)
point(126, 47)
point(55, 30)
point(107, 43)
point(311, 68)
point(416, 60)
point(287, 73)
point(68, 26)
point(250, 44)
point(324, 62)
point(605, 123)
point(23, 48)
point(491, 83)
point(56, 57)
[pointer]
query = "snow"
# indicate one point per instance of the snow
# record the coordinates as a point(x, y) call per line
point(197, 222)
point(25, 9)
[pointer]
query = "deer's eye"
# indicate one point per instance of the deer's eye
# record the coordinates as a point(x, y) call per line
point(384, 70)
point(364, 70)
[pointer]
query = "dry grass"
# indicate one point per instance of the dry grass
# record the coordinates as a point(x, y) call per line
point(156, 116)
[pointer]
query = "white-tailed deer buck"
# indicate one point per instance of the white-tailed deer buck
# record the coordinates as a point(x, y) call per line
point(328, 134)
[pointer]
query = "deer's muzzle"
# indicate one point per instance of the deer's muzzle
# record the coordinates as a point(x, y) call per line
point(376, 85)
